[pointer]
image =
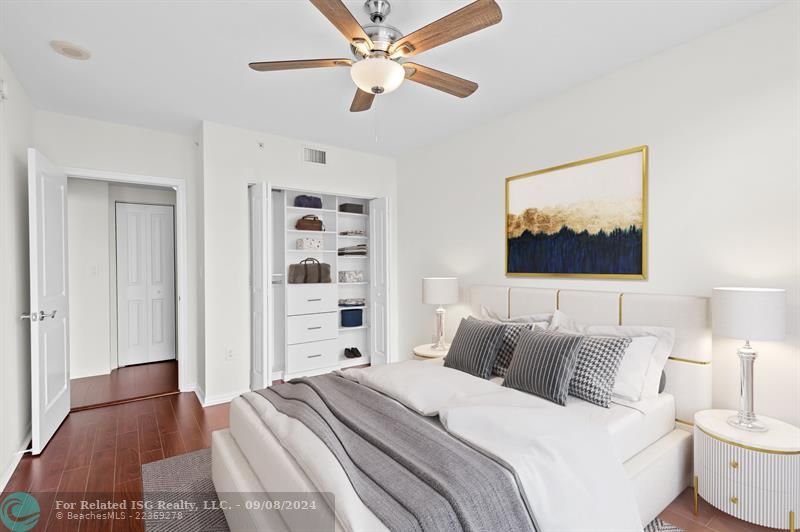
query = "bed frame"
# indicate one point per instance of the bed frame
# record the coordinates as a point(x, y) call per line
point(659, 473)
point(663, 470)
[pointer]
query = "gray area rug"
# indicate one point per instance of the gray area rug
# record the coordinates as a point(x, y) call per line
point(186, 479)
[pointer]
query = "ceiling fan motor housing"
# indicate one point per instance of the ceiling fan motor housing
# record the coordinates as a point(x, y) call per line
point(377, 10)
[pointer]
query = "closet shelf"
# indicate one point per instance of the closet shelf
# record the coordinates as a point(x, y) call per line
point(311, 232)
point(359, 328)
point(308, 209)
point(340, 213)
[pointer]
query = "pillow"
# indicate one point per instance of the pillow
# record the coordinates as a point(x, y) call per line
point(543, 364)
point(644, 359)
point(474, 347)
point(507, 346)
point(658, 353)
point(539, 319)
point(599, 360)
point(632, 373)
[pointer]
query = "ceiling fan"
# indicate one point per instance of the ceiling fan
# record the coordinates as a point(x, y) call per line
point(379, 47)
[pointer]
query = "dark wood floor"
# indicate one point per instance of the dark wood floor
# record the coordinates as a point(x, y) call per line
point(102, 450)
point(122, 384)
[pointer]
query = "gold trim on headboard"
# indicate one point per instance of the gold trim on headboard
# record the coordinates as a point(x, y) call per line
point(619, 321)
point(689, 361)
point(558, 299)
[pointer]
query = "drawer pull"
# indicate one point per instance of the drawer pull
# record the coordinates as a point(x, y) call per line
point(734, 464)
point(314, 328)
point(735, 499)
point(314, 300)
point(314, 356)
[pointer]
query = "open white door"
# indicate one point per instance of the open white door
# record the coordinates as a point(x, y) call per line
point(379, 280)
point(49, 312)
point(260, 286)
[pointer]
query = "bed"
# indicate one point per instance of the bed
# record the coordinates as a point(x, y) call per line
point(648, 437)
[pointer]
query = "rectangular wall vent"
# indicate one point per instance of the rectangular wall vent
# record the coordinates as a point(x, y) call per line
point(314, 156)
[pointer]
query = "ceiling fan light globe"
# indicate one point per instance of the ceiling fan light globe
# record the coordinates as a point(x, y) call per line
point(377, 75)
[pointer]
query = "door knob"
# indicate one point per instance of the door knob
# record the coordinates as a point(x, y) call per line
point(29, 316)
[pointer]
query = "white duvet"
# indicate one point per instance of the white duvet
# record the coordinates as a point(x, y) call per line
point(565, 466)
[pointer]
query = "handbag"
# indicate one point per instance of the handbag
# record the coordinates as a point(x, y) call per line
point(309, 222)
point(309, 270)
point(309, 202)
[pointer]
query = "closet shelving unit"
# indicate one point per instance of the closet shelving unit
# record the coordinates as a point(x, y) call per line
point(309, 315)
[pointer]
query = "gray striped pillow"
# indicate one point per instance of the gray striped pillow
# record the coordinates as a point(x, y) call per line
point(475, 347)
point(543, 364)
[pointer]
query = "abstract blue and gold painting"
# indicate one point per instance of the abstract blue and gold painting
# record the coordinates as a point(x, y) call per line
point(581, 219)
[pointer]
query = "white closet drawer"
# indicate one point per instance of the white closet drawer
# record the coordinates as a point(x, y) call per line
point(311, 298)
point(311, 328)
point(303, 357)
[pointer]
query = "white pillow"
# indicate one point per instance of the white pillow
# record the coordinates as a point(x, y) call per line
point(543, 319)
point(640, 371)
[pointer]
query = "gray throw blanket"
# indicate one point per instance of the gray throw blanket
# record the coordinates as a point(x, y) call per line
point(409, 472)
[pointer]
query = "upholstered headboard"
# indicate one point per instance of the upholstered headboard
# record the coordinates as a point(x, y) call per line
point(688, 369)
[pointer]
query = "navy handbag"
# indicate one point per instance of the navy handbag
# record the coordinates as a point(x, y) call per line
point(309, 202)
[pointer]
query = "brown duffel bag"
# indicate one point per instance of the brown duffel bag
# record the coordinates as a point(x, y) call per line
point(309, 271)
point(309, 222)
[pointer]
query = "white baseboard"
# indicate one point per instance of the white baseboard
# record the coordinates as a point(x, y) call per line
point(211, 400)
point(5, 476)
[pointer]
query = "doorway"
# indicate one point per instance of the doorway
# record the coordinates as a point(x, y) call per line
point(122, 292)
point(50, 278)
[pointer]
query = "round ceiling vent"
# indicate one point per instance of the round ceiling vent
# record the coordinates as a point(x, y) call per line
point(72, 51)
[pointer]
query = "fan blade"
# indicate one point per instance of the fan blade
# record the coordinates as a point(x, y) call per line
point(338, 14)
point(440, 80)
point(362, 101)
point(469, 19)
point(268, 66)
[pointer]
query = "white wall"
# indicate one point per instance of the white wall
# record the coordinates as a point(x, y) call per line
point(92, 276)
point(16, 135)
point(72, 141)
point(233, 158)
point(89, 262)
point(720, 115)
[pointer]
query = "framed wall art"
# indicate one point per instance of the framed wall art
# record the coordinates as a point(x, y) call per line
point(582, 219)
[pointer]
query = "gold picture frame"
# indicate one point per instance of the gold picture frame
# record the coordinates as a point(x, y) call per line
point(642, 274)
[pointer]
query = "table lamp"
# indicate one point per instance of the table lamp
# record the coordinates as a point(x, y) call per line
point(748, 314)
point(439, 291)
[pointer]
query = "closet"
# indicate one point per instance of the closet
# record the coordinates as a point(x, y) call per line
point(309, 328)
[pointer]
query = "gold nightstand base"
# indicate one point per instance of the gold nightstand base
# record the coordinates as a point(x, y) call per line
point(695, 495)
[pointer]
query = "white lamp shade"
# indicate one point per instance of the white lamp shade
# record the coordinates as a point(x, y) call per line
point(378, 75)
point(749, 313)
point(439, 290)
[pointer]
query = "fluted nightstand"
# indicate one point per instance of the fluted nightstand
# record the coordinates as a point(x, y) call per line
point(754, 476)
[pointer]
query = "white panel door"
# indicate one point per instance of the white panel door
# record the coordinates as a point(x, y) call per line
point(145, 283)
point(379, 280)
point(49, 312)
point(260, 287)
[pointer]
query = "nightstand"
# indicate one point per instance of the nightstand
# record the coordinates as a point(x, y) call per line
point(754, 476)
point(427, 353)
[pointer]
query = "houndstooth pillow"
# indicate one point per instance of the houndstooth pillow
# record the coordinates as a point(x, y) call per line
point(599, 360)
point(509, 343)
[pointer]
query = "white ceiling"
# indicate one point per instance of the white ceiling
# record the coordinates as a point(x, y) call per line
point(169, 65)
